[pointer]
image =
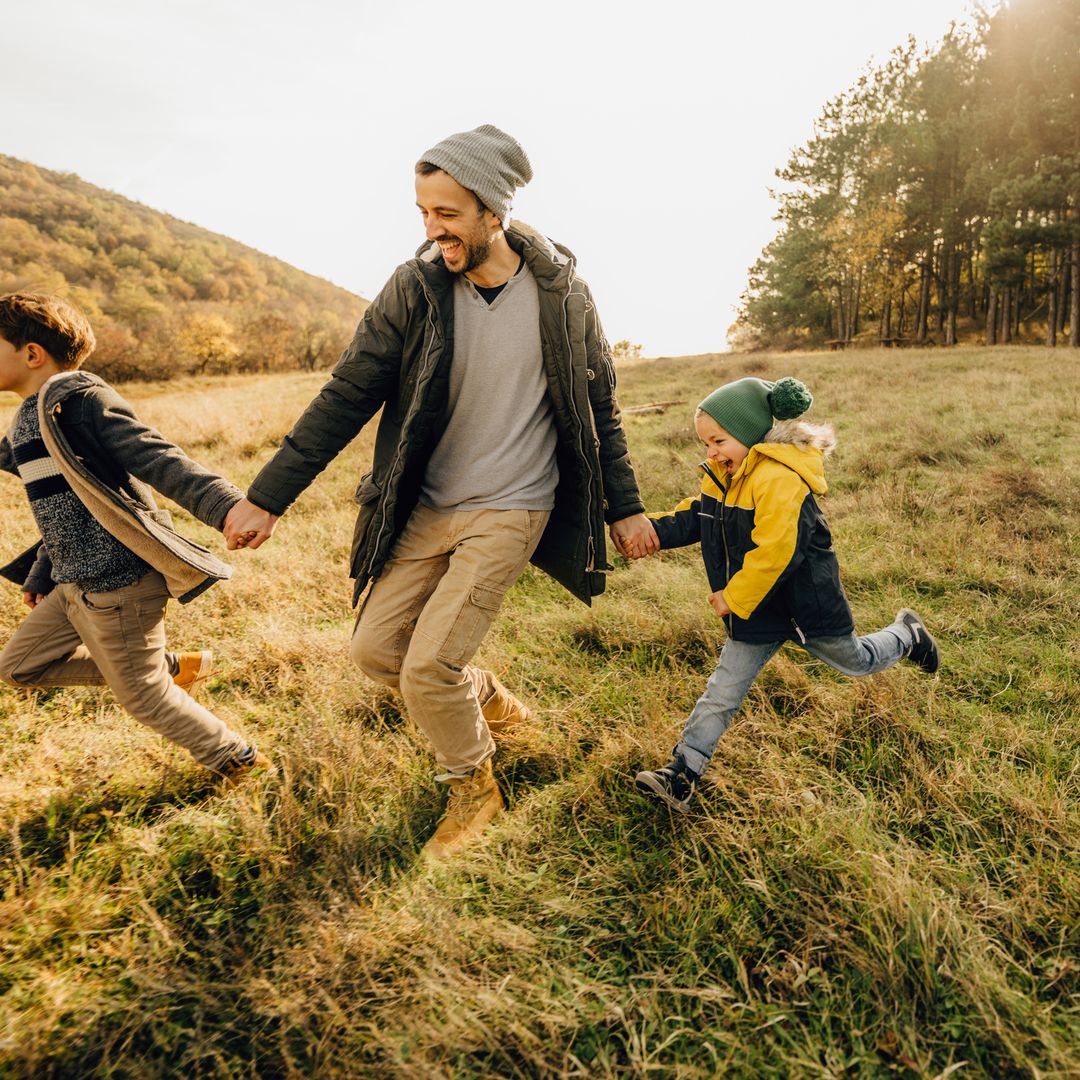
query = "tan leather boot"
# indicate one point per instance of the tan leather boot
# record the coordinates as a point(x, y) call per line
point(500, 708)
point(473, 802)
point(192, 670)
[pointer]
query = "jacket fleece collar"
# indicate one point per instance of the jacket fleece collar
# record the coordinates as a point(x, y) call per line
point(551, 264)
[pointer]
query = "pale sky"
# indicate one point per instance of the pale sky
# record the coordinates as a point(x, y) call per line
point(654, 128)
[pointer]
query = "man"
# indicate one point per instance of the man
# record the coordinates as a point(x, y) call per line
point(499, 442)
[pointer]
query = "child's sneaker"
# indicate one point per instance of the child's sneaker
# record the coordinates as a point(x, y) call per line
point(245, 763)
point(923, 650)
point(192, 670)
point(673, 784)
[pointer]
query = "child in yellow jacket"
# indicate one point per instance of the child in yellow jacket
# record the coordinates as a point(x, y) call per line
point(773, 574)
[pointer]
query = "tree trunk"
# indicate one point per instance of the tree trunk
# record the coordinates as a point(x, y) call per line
point(841, 321)
point(973, 305)
point(900, 321)
point(952, 296)
point(923, 314)
point(940, 279)
point(1074, 296)
point(1063, 293)
point(1006, 314)
point(1051, 303)
point(856, 300)
point(991, 317)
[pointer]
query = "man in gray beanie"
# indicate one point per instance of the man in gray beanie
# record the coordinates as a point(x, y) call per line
point(500, 443)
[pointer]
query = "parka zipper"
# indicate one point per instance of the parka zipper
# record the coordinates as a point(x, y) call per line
point(723, 535)
point(591, 564)
point(421, 381)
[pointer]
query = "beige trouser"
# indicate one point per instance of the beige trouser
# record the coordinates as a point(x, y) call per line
point(425, 617)
point(76, 638)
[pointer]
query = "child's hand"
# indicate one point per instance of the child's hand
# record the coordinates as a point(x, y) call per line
point(635, 537)
point(32, 599)
point(719, 604)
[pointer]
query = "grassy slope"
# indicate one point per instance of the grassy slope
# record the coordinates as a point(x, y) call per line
point(881, 877)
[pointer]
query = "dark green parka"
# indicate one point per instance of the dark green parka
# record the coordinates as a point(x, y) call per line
point(399, 360)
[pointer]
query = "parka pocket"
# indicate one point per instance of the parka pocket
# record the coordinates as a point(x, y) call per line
point(480, 606)
point(367, 490)
point(367, 498)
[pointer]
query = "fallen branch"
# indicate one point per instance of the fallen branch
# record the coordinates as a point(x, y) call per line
point(652, 407)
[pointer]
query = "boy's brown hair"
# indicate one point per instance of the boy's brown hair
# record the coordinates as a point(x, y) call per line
point(58, 327)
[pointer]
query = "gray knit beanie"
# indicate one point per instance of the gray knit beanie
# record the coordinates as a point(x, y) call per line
point(487, 161)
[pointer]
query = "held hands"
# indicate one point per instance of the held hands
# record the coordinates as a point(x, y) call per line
point(719, 604)
point(635, 537)
point(248, 525)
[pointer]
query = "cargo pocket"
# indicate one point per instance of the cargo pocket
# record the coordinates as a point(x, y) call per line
point(471, 623)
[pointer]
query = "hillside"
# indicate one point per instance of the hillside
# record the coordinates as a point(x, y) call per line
point(165, 297)
point(881, 877)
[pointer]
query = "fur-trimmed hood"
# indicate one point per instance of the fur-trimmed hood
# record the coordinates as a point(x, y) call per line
point(803, 434)
point(797, 444)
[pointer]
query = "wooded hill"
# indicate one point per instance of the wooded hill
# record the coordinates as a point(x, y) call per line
point(938, 197)
point(165, 297)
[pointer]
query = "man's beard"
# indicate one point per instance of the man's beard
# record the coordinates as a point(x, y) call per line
point(476, 254)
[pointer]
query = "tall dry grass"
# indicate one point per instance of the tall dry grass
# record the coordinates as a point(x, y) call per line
point(880, 879)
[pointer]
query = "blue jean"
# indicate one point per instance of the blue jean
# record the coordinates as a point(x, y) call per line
point(740, 662)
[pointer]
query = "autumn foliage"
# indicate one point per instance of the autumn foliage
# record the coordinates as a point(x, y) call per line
point(165, 297)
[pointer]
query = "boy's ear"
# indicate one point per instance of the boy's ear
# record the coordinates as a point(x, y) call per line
point(35, 355)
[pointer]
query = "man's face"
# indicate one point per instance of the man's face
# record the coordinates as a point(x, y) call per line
point(452, 219)
point(721, 448)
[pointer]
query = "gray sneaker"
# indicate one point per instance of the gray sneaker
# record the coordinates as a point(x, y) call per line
point(923, 650)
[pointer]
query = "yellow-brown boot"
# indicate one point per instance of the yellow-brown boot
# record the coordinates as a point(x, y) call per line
point(192, 670)
point(473, 803)
point(501, 709)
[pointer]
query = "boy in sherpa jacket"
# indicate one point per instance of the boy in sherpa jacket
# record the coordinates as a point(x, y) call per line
point(108, 561)
point(773, 575)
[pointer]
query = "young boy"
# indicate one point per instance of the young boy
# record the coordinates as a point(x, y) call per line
point(109, 560)
point(769, 558)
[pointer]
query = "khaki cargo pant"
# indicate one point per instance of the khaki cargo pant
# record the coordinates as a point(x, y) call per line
point(117, 638)
point(425, 617)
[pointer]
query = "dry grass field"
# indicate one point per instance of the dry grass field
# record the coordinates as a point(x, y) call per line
point(881, 877)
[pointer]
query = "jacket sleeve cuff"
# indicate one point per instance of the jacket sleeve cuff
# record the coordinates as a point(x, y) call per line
point(624, 510)
point(265, 502)
point(219, 510)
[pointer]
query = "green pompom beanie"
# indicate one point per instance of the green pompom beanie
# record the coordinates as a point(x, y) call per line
point(745, 408)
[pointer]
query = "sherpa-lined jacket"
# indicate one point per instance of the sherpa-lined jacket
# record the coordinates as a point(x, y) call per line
point(764, 540)
point(111, 460)
point(399, 359)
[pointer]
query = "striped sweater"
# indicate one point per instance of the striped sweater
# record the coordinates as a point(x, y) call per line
point(80, 549)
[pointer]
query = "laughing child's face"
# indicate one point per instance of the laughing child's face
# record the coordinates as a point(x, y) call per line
point(720, 448)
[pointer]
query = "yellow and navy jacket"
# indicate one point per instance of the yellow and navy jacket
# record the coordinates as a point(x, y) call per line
point(764, 540)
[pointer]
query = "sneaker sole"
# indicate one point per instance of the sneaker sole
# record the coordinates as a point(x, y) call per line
point(648, 786)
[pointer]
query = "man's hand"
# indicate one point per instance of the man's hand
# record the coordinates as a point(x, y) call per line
point(719, 604)
point(635, 537)
point(32, 599)
point(248, 525)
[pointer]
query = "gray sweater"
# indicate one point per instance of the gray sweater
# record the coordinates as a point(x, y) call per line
point(498, 450)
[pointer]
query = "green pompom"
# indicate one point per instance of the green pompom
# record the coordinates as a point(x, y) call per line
point(789, 398)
